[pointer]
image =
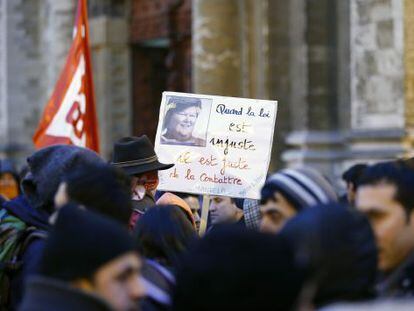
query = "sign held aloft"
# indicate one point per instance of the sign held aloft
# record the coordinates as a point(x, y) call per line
point(220, 145)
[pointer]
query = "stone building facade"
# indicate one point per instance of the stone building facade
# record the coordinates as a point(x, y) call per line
point(342, 71)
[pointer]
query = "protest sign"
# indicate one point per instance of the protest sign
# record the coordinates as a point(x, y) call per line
point(220, 145)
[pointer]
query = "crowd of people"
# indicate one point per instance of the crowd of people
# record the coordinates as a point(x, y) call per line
point(78, 233)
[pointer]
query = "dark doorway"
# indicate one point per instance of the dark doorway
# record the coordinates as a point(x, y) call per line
point(149, 81)
point(161, 47)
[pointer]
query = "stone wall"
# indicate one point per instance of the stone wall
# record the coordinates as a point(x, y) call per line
point(354, 104)
point(377, 71)
point(378, 121)
point(112, 74)
point(409, 64)
point(33, 51)
point(3, 75)
point(38, 35)
point(217, 47)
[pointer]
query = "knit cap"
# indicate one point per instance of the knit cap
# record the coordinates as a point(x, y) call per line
point(302, 187)
point(81, 242)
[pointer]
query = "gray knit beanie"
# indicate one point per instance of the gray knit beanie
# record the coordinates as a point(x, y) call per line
point(302, 187)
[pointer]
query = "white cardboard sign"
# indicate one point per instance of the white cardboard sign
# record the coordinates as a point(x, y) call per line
point(220, 145)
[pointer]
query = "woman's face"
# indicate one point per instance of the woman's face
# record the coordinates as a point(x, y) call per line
point(9, 187)
point(182, 123)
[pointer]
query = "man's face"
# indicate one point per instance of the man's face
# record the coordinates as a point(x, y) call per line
point(222, 210)
point(350, 193)
point(182, 123)
point(275, 213)
point(195, 207)
point(61, 196)
point(119, 282)
point(394, 232)
point(144, 183)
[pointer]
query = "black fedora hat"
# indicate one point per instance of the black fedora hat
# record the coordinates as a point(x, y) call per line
point(136, 155)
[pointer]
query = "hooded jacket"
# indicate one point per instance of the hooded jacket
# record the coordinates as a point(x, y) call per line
point(46, 168)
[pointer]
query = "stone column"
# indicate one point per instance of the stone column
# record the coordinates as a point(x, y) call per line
point(217, 47)
point(314, 139)
point(409, 71)
point(286, 57)
point(109, 34)
point(254, 39)
point(378, 117)
point(234, 55)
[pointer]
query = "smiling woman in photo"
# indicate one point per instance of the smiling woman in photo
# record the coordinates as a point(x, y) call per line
point(180, 121)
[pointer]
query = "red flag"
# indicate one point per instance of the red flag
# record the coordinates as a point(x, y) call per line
point(69, 116)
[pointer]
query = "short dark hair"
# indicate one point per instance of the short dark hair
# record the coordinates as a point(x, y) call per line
point(185, 195)
point(396, 173)
point(220, 268)
point(345, 271)
point(354, 173)
point(164, 233)
point(238, 202)
point(177, 104)
point(182, 103)
point(102, 188)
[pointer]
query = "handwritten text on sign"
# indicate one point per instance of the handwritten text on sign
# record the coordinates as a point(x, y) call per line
point(220, 145)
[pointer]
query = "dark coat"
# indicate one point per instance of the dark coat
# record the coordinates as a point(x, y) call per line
point(46, 168)
point(38, 218)
point(337, 245)
point(139, 209)
point(159, 282)
point(48, 294)
point(400, 283)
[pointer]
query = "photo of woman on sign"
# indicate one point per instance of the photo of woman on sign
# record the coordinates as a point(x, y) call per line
point(180, 123)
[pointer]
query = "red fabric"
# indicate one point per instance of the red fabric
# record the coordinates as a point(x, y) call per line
point(70, 116)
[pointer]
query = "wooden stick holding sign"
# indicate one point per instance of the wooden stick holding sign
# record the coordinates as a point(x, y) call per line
point(204, 215)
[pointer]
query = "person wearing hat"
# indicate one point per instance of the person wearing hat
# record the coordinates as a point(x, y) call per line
point(136, 156)
point(289, 191)
point(89, 263)
point(103, 188)
point(180, 120)
point(32, 209)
